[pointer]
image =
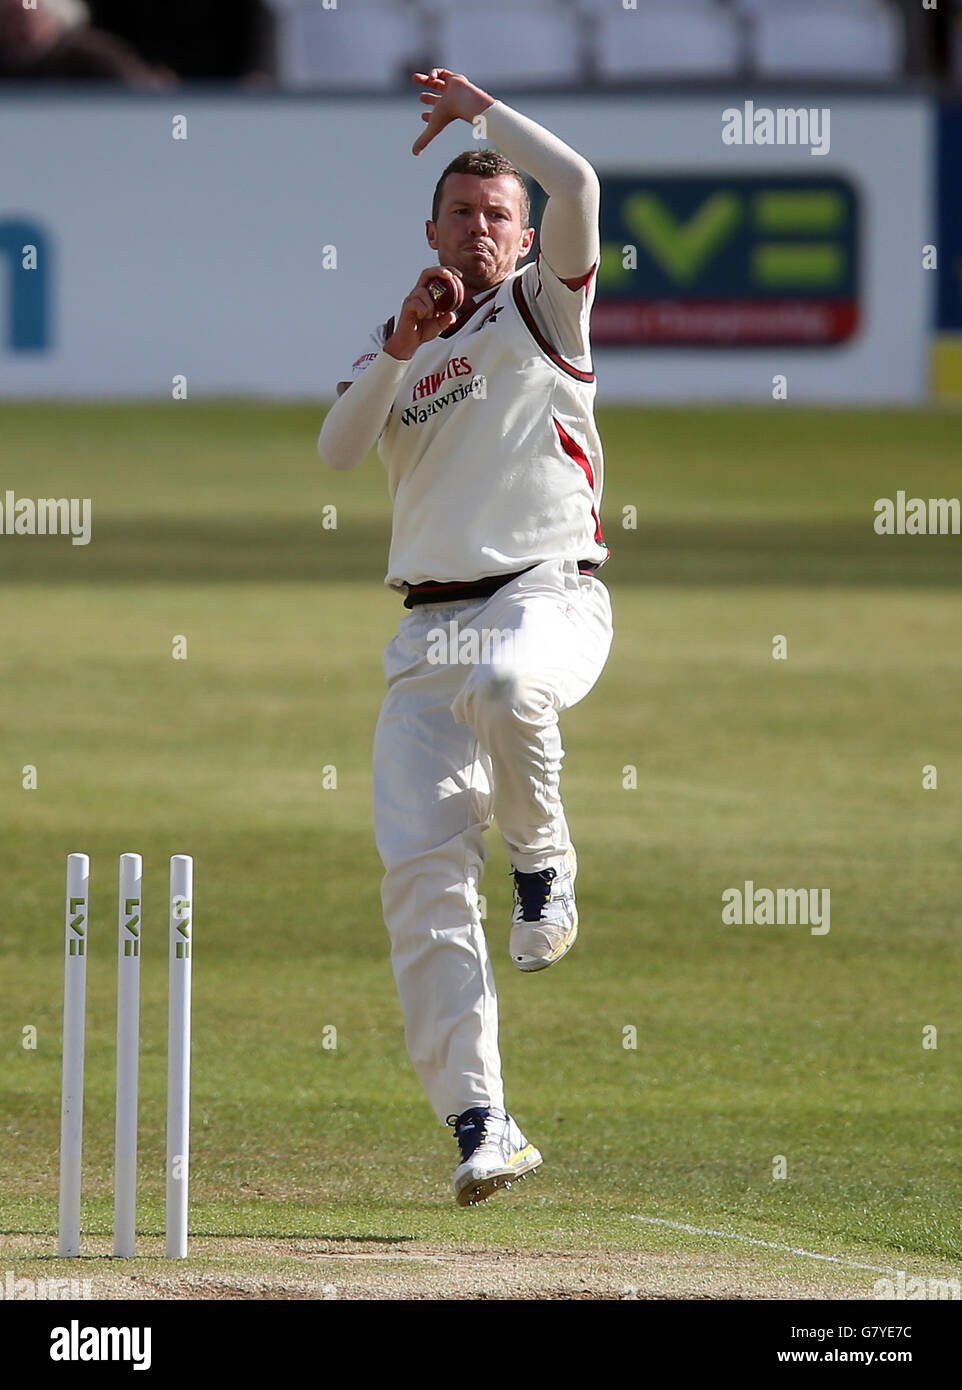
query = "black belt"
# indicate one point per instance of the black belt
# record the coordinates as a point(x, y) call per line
point(454, 591)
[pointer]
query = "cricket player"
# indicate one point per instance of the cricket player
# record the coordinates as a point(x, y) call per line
point(484, 421)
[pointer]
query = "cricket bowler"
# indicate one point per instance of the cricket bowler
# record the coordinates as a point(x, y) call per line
point(480, 396)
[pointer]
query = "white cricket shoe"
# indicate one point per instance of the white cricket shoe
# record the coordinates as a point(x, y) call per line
point(545, 922)
point(494, 1154)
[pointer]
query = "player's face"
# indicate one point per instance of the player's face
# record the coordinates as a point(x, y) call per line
point(479, 229)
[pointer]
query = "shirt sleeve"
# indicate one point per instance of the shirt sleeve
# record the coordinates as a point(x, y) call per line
point(375, 342)
point(359, 416)
point(562, 314)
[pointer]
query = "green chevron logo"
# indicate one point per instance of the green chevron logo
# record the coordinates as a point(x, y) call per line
point(682, 248)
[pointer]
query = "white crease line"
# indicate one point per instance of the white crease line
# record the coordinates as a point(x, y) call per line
point(768, 1244)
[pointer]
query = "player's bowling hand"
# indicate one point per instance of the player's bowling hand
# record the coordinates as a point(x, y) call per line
point(451, 97)
point(419, 322)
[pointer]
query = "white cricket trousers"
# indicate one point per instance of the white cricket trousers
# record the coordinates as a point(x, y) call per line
point(468, 732)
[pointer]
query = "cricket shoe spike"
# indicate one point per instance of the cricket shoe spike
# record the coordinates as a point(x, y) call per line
point(494, 1153)
point(545, 922)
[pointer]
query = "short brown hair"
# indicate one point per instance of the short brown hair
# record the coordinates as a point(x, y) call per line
point(487, 164)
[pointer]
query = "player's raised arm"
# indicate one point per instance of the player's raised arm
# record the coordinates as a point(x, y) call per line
point(570, 240)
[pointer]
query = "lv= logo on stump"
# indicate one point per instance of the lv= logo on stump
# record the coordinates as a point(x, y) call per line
point(180, 936)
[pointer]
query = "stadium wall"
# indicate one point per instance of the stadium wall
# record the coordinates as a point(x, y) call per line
point(253, 256)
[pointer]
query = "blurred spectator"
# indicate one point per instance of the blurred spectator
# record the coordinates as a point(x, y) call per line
point(202, 40)
point(373, 45)
point(54, 42)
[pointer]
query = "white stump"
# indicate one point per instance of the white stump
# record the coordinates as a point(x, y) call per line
point(178, 1054)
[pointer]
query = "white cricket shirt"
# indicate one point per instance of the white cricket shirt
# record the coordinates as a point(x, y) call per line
point(493, 459)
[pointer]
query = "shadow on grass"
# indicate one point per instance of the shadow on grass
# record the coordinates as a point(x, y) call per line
point(139, 550)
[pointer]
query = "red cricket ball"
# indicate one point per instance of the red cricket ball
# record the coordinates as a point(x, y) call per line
point(447, 296)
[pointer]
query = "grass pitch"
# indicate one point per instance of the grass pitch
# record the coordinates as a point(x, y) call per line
point(320, 1171)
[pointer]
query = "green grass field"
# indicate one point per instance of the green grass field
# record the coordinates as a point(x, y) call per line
point(314, 1167)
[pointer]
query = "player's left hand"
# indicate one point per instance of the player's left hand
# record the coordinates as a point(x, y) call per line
point(451, 97)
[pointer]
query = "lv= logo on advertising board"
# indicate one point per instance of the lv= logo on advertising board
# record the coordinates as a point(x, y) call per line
point(727, 262)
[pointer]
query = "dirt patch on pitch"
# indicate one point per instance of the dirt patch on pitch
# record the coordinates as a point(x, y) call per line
point(314, 1269)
